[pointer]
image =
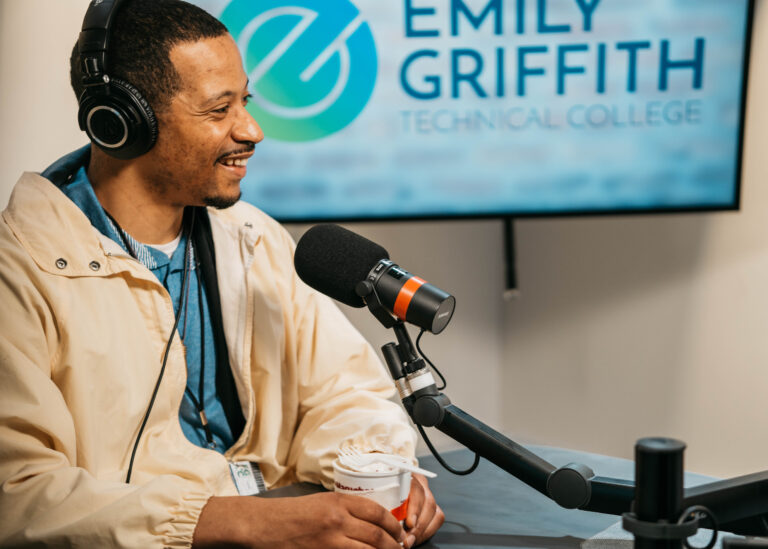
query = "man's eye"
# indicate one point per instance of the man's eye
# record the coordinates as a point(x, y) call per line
point(247, 99)
point(222, 110)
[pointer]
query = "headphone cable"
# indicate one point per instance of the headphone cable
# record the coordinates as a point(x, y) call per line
point(184, 282)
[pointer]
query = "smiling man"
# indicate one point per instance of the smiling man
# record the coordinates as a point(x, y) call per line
point(159, 359)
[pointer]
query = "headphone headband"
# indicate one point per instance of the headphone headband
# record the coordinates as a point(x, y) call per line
point(94, 39)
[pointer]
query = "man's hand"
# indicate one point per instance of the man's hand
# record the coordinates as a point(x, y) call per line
point(327, 520)
point(424, 515)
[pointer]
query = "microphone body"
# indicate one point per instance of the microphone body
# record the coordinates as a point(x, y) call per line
point(410, 298)
point(334, 261)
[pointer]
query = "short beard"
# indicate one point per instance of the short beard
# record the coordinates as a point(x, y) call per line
point(220, 202)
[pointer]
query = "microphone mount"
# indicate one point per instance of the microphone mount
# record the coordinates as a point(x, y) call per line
point(367, 291)
point(652, 510)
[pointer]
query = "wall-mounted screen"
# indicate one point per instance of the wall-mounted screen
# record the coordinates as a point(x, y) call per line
point(469, 108)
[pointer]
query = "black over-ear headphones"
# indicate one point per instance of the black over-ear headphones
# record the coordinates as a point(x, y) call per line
point(112, 112)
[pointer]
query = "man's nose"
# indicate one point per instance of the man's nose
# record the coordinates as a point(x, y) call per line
point(246, 128)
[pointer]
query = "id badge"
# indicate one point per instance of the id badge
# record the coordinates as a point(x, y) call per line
point(247, 477)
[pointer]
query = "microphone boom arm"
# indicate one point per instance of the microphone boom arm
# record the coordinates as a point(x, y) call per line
point(740, 503)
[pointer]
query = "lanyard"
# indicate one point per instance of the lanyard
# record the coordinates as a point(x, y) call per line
point(200, 405)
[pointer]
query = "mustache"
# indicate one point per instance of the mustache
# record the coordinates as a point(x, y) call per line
point(246, 148)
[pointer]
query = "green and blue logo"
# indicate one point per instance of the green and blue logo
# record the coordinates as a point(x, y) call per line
point(312, 64)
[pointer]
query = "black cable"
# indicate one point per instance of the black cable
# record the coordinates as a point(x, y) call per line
point(183, 331)
point(424, 436)
point(121, 233)
point(440, 375)
point(442, 461)
point(699, 512)
point(167, 349)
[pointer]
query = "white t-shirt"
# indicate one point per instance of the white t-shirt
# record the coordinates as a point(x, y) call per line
point(169, 247)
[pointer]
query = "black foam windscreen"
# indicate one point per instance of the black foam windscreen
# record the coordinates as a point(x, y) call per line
point(332, 260)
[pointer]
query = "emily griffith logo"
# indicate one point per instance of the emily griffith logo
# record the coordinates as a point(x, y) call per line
point(312, 64)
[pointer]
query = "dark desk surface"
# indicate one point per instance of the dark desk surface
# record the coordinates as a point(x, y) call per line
point(492, 509)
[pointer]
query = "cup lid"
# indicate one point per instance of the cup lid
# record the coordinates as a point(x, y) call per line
point(390, 470)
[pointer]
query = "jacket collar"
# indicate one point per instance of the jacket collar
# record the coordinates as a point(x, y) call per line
point(54, 231)
point(65, 167)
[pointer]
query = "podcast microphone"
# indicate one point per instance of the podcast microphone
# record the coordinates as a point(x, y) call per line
point(352, 269)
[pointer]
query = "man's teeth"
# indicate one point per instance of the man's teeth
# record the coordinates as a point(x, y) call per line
point(235, 162)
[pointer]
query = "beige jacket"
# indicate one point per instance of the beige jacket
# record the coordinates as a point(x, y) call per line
point(82, 331)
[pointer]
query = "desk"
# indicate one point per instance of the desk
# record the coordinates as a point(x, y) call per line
point(490, 509)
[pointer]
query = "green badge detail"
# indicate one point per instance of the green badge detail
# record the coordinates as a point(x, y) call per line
point(311, 64)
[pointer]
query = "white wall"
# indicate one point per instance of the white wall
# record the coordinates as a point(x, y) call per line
point(629, 327)
point(38, 110)
point(625, 327)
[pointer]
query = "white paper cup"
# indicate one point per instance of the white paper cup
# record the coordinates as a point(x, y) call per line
point(389, 489)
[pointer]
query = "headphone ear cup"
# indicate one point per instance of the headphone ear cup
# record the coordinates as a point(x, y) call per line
point(147, 115)
point(118, 119)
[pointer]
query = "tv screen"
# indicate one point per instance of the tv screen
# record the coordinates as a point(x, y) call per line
point(404, 109)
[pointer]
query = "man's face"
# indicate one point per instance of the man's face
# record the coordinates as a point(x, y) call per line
point(206, 135)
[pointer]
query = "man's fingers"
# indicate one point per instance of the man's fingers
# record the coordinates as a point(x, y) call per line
point(426, 519)
point(372, 535)
point(431, 529)
point(371, 512)
point(415, 502)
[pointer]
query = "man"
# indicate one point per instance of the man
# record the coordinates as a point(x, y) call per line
point(149, 346)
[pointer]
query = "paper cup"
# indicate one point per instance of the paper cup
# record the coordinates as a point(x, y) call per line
point(389, 489)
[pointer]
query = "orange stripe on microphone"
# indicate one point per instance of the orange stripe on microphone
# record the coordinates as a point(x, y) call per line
point(405, 295)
